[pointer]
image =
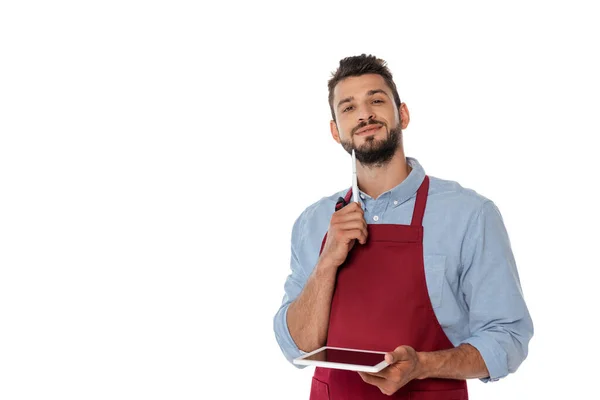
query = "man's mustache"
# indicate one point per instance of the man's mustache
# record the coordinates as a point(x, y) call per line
point(363, 124)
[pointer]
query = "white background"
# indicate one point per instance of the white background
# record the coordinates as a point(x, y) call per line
point(154, 156)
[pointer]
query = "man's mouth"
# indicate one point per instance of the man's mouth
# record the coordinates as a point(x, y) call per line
point(368, 130)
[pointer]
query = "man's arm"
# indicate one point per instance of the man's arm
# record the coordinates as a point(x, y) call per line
point(308, 315)
point(302, 322)
point(499, 323)
point(293, 286)
point(462, 362)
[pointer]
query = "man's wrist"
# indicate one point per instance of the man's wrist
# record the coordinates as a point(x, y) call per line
point(326, 266)
point(424, 365)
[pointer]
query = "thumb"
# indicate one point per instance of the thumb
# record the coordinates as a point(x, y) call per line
point(389, 358)
point(397, 355)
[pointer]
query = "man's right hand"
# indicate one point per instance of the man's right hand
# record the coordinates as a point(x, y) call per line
point(346, 227)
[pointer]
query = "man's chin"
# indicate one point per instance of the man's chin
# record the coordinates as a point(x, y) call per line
point(372, 146)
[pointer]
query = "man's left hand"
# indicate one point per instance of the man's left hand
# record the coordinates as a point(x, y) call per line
point(404, 367)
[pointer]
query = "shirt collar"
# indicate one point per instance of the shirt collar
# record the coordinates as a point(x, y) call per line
point(407, 188)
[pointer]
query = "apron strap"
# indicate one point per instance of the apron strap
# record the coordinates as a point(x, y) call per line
point(419, 211)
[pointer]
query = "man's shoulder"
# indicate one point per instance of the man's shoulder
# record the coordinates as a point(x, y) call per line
point(313, 221)
point(320, 211)
point(452, 194)
point(322, 207)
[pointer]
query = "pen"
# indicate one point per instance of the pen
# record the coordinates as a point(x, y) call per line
point(354, 179)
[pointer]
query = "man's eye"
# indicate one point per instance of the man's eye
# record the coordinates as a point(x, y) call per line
point(347, 108)
point(377, 101)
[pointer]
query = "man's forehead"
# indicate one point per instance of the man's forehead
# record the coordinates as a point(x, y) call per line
point(359, 86)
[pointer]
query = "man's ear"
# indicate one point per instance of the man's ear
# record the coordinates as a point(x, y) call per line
point(334, 131)
point(404, 115)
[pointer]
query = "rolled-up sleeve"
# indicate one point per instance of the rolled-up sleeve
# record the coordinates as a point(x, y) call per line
point(499, 322)
point(293, 287)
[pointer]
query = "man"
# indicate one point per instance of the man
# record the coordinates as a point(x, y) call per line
point(421, 267)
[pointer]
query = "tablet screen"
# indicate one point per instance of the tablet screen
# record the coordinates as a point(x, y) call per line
point(347, 357)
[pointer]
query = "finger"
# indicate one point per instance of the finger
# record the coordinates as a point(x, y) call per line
point(384, 373)
point(381, 383)
point(351, 230)
point(351, 224)
point(347, 219)
point(363, 237)
point(350, 208)
point(352, 234)
point(372, 379)
point(355, 205)
point(349, 216)
point(343, 219)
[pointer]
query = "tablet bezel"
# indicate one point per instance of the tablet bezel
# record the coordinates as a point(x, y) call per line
point(349, 367)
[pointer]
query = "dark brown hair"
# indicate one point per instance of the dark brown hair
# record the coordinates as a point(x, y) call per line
point(360, 65)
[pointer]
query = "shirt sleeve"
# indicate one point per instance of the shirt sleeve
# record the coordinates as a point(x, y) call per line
point(499, 321)
point(293, 287)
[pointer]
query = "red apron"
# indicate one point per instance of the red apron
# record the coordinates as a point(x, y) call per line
point(381, 302)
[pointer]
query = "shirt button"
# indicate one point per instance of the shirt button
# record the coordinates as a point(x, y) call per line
point(376, 218)
point(395, 202)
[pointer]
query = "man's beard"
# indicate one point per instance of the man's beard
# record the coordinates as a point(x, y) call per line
point(375, 153)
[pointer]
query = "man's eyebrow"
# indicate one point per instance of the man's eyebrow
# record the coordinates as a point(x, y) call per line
point(346, 100)
point(375, 91)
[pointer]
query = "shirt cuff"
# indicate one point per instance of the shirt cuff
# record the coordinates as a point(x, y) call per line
point(493, 355)
point(286, 342)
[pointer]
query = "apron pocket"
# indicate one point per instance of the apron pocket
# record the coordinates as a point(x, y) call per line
point(435, 273)
point(458, 394)
point(319, 390)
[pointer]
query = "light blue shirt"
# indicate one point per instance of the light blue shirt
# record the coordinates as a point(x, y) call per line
point(470, 270)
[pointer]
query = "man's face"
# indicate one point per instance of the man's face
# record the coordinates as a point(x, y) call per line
point(368, 120)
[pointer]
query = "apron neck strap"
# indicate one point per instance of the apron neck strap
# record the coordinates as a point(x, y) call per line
point(417, 219)
point(419, 211)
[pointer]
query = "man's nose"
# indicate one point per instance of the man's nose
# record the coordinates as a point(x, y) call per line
point(365, 113)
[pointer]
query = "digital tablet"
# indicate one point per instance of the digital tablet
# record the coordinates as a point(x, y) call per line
point(341, 358)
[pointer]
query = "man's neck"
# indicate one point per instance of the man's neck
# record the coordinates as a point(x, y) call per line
point(377, 180)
